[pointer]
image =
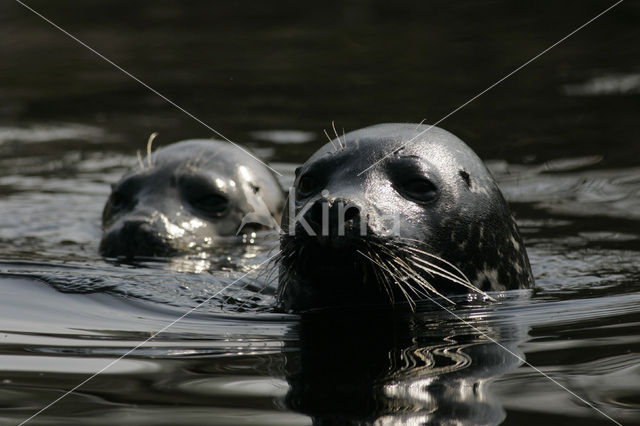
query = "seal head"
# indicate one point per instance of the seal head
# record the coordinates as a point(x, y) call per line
point(394, 212)
point(185, 196)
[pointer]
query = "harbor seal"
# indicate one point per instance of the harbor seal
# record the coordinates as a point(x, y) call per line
point(396, 212)
point(185, 195)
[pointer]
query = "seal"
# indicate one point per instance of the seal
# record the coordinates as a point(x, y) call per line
point(393, 212)
point(184, 196)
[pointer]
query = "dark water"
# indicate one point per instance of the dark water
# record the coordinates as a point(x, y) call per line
point(561, 136)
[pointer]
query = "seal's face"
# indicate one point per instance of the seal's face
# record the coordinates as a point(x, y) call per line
point(187, 195)
point(426, 219)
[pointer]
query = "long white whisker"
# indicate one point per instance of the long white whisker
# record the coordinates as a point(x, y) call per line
point(439, 271)
point(139, 155)
point(402, 281)
point(462, 283)
point(391, 264)
point(435, 257)
point(412, 303)
point(462, 279)
point(333, 124)
point(426, 284)
point(149, 146)
point(330, 140)
point(421, 288)
point(382, 279)
point(388, 279)
point(436, 270)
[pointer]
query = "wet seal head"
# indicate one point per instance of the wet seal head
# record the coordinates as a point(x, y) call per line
point(183, 196)
point(427, 220)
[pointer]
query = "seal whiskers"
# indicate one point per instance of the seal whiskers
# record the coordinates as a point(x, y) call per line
point(382, 279)
point(335, 149)
point(435, 257)
point(335, 132)
point(412, 303)
point(397, 265)
point(152, 136)
point(434, 269)
point(140, 162)
point(411, 273)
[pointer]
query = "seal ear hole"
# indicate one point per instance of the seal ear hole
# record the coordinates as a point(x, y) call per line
point(351, 213)
point(465, 176)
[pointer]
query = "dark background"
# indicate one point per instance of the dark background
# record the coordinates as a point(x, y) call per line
point(251, 65)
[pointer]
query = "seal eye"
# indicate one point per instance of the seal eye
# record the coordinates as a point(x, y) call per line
point(420, 190)
point(203, 196)
point(124, 195)
point(120, 200)
point(306, 185)
point(210, 204)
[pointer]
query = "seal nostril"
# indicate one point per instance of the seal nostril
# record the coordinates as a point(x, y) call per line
point(136, 237)
point(352, 213)
point(136, 232)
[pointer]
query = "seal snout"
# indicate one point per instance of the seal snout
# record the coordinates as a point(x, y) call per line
point(135, 237)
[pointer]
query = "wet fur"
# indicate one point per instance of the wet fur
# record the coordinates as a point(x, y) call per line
point(464, 240)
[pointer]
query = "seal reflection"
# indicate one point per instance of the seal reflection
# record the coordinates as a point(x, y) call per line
point(394, 368)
